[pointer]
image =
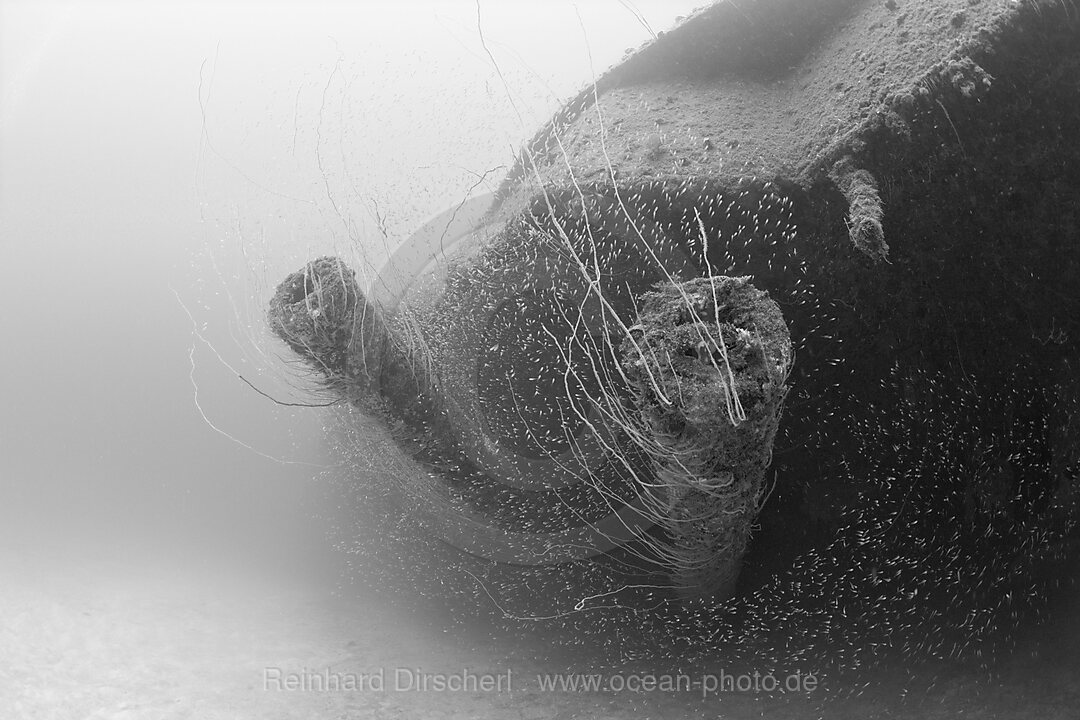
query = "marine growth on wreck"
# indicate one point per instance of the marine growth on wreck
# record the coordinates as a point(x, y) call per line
point(750, 356)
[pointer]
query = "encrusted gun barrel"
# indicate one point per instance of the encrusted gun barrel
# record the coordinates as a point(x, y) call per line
point(891, 185)
point(321, 314)
point(707, 362)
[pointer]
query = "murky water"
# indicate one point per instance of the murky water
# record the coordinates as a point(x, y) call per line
point(165, 529)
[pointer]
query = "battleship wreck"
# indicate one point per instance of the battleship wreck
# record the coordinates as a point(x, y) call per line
point(791, 274)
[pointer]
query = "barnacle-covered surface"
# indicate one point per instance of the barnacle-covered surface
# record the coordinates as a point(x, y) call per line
point(902, 182)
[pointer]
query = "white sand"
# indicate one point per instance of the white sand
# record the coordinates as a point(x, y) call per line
point(117, 631)
point(121, 636)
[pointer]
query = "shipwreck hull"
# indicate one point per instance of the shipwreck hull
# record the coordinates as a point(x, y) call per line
point(901, 179)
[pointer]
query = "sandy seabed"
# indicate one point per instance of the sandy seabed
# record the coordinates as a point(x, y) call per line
point(138, 639)
point(125, 630)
